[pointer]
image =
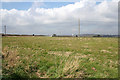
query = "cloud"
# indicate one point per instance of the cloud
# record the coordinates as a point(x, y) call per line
point(94, 18)
point(17, 0)
point(53, 0)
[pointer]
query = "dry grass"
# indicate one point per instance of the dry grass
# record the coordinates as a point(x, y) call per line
point(11, 56)
point(60, 53)
point(63, 57)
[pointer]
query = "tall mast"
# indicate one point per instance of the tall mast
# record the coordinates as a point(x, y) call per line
point(79, 27)
point(5, 29)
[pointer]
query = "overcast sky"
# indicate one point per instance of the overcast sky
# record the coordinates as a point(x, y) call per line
point(60, 17)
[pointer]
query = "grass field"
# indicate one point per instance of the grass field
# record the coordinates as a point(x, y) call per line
point(59, 57)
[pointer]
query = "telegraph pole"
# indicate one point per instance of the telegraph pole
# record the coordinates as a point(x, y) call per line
point(5, 29)
point(79, 27)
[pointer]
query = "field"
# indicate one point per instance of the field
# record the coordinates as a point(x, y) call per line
point(59, 57)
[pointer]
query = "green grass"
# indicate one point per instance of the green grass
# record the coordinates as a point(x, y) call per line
point(56, 57)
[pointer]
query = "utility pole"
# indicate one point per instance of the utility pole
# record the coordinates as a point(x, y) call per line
point(5, 29)
point(79, 27)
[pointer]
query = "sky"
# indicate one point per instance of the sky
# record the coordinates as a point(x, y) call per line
point(46, 18)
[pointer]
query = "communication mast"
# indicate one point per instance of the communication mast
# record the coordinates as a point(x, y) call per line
point(79, 27)
point(5, 29)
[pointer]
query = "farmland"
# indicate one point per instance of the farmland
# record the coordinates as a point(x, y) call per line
point(59, 57)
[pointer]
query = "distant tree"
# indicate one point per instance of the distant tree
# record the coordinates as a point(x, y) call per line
point(98, 35)
point(76, 35)
point(33, 35)
point(54, 35)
